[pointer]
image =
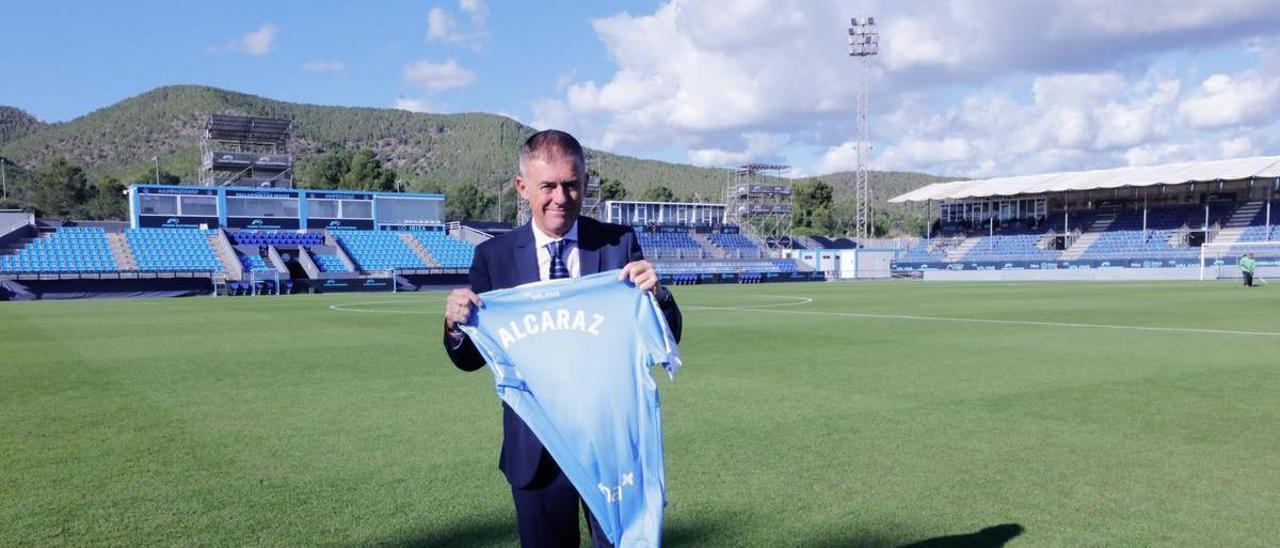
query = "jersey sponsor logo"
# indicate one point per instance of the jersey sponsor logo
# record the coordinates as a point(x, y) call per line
point(543, 295)
point(614, 494)
point(558, 320)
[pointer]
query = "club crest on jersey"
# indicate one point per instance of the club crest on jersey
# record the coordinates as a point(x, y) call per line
point(559, 319)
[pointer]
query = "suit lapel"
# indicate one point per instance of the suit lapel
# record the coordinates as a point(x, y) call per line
point(526, 256)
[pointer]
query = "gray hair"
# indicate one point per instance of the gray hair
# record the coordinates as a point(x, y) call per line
point(550, 144)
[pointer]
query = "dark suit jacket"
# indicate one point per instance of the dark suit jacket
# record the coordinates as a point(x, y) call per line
point(510, 260)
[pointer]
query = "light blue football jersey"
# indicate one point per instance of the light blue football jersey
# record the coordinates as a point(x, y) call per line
point(572, 358)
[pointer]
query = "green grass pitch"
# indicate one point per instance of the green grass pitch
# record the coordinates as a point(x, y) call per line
point(875, 414)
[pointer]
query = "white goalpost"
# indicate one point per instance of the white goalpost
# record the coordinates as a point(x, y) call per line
point(1221, 261)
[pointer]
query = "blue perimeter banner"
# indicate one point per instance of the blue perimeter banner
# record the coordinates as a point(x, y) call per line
point(1186, 262)
point(344, 285)
point(731, 277)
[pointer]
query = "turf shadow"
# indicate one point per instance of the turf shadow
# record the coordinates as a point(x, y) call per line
point(500, 531)
point(494, 531)
point(995, 536)
point(685, 534)
point(991, 537)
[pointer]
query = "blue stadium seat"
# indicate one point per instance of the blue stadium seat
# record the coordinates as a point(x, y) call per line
point(69, 249)
point(173, 250)
point(330, 263)
point(450, 252)
point(379, 250)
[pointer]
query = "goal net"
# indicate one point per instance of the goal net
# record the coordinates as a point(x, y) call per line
point(1219, 261)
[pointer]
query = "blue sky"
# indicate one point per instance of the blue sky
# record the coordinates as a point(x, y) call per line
point(998, 87)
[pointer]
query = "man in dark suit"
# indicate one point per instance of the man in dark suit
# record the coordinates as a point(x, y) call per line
point(557, 243)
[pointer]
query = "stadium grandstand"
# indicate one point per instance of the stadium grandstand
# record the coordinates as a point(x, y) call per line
point(692, 243)
point(184, 240)
point(190, 240)
point(1179, 221)
point(1173, 220)
point(1161, 222)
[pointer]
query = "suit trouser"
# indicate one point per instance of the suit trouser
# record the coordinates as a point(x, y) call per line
point(547, 511)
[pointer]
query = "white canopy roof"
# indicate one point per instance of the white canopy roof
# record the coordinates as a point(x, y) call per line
point(1124, 177)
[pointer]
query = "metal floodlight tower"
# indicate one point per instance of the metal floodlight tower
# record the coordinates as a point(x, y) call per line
point(864, 42)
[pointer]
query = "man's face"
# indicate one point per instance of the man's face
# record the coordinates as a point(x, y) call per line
point(553, 187)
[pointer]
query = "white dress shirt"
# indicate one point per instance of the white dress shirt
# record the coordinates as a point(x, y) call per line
point(569, 253)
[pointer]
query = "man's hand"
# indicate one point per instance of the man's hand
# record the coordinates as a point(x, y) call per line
point(642, 275)
point(458, 307)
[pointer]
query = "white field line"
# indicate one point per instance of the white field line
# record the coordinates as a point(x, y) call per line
point(800, 301)
point(774, 310)
point(794, 301)
point(364, 306)
point(354, 307)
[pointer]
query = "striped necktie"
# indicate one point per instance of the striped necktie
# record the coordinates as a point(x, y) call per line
point(558, 268)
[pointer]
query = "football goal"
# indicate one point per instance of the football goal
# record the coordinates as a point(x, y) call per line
point(1221, 261)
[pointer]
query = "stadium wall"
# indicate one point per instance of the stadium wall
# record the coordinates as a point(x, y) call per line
point(847, 264)
point(114, 288)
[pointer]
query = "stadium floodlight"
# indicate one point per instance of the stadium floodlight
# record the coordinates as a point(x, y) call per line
point(864, 42)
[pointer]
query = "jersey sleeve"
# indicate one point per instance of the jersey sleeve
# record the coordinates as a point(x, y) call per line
point(481, 334)
point(659, 343)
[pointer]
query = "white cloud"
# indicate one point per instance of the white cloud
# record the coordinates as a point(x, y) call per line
point(1066, 121)
point(842, 157)
point(256, 42)
point(1123, 124)
point(474, 7)
point(760, 147)
point(259, 41)
point(1238, 147)
point(411, 105)
point(927, 151)
point(1222, 100)
point(324, 66)
point(1161, 153)
point(564, 80)
point(555, 114)
point(438, 77)
point(959, 87)
point(443, 27)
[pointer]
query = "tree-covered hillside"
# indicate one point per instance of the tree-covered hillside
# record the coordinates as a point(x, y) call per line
point(463, 154)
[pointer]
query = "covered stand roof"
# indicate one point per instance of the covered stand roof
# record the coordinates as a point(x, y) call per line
point(1099, 179)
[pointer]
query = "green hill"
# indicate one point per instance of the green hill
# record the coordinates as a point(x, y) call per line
point(428, 152)
point(15, 123)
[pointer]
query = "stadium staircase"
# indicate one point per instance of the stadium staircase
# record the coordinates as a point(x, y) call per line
point(957, 253)
point(1240, 220)
point(417, 248)
point(704, 240)
point(120, 249)
point(226, 255)
point(762, 247)
point(1089, 236)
